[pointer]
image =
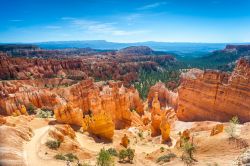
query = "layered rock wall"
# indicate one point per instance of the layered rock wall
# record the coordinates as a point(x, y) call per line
point(214, 95)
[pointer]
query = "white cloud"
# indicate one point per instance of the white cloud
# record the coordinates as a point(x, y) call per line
point(133, 17)
point(67, 18)
point(152, 5)
point(98, 27)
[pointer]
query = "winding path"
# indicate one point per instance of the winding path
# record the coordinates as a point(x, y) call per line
point(31, 149)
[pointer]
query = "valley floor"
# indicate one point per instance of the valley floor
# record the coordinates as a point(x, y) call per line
point(211, 150)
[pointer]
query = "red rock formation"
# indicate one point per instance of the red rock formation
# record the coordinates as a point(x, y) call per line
point(161, 120)
point(165, 129)
point(166, 97)
point(17, 93)
point(145, 120)
point(124, 141)
point(68, 114)
point(116, 67)
point(217, 129)
point(84, 97)
point(36, 97)
point(59, 132)
point(214, 95)
point(2, 120)
point(100, 125)
point(156, 116)
point(115, 101)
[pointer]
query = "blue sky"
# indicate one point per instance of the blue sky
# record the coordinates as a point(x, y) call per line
point(125, 20)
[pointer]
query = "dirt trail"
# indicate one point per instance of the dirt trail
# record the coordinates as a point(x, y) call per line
point(31, 150)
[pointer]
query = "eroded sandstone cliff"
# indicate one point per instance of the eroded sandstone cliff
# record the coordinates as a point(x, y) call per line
point(215, 95)
point(166, 97)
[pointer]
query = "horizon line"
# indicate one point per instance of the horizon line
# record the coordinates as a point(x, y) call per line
point(188, 42)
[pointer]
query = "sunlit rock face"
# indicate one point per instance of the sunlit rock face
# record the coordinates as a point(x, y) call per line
point(165, 129)
point(160, 120)
point(156, 116)
point(166, 97)
point(11, 145)
point(68, 114)
point(100, 125)
point(215, 95)
point(59, 132)
point(99, 101)
point(17, 94)
point(71, 102)
point(217, 129)
point(112, 99)
point(124, 141)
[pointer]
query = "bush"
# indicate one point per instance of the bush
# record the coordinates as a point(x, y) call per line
point(53, 144)
point(69, 157)
point(128, 154)
point(112, 152)
point(31, 109)
point(231, 130)
point(122, 155)
point(45, 113)
point(162, 149)
point(82, 164)
point(166, 158)
point(140, 134)
point(188, 148)
point(104, 158)
point(60, 157)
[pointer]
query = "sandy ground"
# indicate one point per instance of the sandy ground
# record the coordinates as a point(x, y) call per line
point(31, 149)
point(211, 150)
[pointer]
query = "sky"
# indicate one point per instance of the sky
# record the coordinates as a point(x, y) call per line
point(208, 21)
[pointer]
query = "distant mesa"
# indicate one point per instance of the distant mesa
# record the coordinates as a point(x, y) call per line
point(12, 47)
point(240, 48)
point(136, 50)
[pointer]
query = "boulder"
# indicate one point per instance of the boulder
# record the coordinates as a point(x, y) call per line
point(217, 129)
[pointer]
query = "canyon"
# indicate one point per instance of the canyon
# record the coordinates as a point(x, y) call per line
point(54, 108)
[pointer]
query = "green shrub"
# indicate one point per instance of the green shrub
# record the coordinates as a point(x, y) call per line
point(104, 158)
point(53, 144)
point(122, 155)
point(148, 78)
point(112, 152)
point(127, 155)
point(130, 154)
point(68, 157)
point(31, 109)
point(71, 157)
point(45, 113)
point(60, 157)
point(82, 164)
point(162, 149)
point(166, 158)
point(188, 148)
point(140, 134)
point(231, 130)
